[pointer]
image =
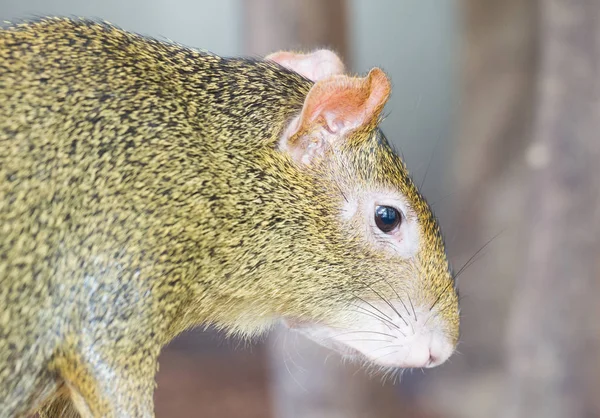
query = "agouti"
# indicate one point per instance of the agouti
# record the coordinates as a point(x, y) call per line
point(147, 188)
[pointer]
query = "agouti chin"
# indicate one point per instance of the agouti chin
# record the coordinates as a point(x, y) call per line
point(146, 188)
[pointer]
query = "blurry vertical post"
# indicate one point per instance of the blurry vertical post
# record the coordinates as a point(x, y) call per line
point(554, 354)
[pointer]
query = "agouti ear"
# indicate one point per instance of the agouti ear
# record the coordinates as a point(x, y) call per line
point(314, 66)
point(335, 107)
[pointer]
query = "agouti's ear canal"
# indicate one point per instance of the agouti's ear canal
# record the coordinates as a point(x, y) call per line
point(335, 107)
point(315, 66)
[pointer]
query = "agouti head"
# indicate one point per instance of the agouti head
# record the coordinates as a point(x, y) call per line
point(356, 241)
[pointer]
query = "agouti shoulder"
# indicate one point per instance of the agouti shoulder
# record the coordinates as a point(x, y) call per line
point(146, 188)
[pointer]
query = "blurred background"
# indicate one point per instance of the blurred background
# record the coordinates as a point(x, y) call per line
point(495, 108)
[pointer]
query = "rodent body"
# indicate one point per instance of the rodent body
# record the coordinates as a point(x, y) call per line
point(143, 192)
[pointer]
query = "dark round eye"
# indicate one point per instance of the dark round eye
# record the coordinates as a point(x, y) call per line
point(387, 218)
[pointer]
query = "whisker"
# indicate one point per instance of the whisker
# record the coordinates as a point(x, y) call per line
point(440, 295)
point(380, 357)
point(366, 332)
point(374, 315)
point(378, 310)
point(387, 346)
point(289, 355)
point(441, 199)
point(427, 320)
point(412, 306)
point(403, 304)
point(290, 372)
point(444, 306)
point(298, 351)
point(387, 302)
point(367, 364)
point(360, 339)
point(476, 253)
point(291, 358)
point(466, 266)
point(399, 298)
point(430, 160)
point(469, 262)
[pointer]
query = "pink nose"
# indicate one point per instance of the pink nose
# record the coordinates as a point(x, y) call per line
point(432, 361)
point(418, 356)
point(427, 351)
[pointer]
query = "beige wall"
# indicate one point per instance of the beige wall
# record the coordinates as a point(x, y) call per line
point(211, 25)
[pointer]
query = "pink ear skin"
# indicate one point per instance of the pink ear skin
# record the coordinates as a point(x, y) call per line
point(335, 107)
point(314, 66)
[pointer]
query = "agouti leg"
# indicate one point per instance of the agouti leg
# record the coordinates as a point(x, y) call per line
point(59, 407)
point(111, 386)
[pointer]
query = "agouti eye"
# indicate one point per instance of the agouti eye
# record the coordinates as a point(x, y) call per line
point(387, 218)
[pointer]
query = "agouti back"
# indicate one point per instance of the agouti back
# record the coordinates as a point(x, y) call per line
point(146, 188)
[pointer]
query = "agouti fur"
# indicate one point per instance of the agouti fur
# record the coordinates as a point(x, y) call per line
point(142, 193)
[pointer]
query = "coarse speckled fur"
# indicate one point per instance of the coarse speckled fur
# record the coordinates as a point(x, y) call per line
point(141, 194)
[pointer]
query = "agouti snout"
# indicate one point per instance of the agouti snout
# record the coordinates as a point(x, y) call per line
point(146, 188)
